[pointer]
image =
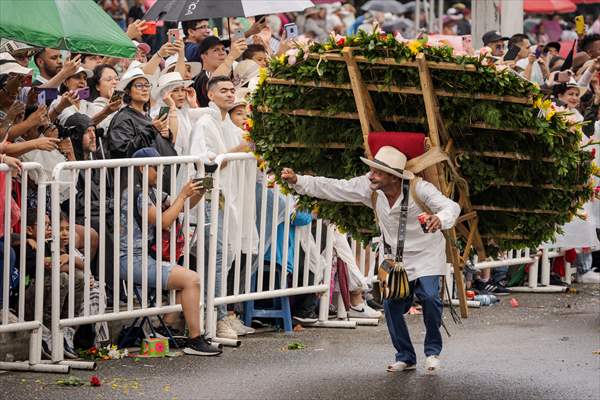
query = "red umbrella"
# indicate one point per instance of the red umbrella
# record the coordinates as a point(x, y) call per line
point(549, 6)
point(586, 1)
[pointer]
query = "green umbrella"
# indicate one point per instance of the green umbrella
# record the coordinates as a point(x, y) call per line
point(76, 25)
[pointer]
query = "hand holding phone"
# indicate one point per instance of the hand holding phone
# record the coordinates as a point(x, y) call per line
point(163, 111)
point(291, 30)
point(512, 53)
point(173, 35)
point(117, 95)
point(83, 93)
point(206, 182)
point(580, 25)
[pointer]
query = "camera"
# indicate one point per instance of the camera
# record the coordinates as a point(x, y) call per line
point(66, 131)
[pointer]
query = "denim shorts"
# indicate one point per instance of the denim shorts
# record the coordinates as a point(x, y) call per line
point(137, 271)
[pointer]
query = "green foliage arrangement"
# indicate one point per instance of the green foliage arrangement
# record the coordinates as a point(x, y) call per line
point(552, 174)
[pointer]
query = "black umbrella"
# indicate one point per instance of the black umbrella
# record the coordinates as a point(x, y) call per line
point(189, 10)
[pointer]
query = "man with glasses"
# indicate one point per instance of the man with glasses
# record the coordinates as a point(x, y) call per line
point(195, 32)
point(495, 41)
point(531, 68)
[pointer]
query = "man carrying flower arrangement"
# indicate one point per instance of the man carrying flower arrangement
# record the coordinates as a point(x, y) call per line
point(413, 236)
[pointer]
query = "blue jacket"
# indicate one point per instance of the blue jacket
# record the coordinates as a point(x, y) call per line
point(300, 219)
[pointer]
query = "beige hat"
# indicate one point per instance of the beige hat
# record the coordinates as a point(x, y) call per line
point(244, 71)
point(131, 75)
point(195, 67)
point(8, 65)
point(87, 72)
point(573, 84)
point(240, 98)
point(391, 160)
point(169, 81)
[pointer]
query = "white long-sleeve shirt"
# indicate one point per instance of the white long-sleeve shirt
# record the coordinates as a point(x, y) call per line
point(424, 253)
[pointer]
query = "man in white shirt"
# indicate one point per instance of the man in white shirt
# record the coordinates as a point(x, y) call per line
point(424, 254)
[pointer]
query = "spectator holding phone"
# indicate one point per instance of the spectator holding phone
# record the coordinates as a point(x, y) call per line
point(73, 97)
point(105, 100)
point(195, 32)
point(172, 276)
point(530, 67)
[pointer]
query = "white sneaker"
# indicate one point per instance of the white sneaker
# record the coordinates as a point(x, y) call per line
point(224, 330)
point(432, 363)
point(589, 277)
point(401, 366)
point(238, 326)
point(363, 311)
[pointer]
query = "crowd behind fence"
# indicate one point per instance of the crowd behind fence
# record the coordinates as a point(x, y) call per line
point(229, 238)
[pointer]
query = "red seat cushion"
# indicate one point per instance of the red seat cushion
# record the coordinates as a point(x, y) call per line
point(412, 144)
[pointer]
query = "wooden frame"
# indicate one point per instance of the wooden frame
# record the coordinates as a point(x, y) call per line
point(440, 174)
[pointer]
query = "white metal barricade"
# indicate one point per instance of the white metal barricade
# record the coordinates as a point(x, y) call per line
point(109, 176)
point(248, 227)
point(22, 325)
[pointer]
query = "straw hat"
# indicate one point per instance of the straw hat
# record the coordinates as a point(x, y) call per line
point(391, 160)
point(170, 63)
point(573, 84)
point(240, 98)
point(87, 72)
point(169, 81)
point(244, 71)
point(8, 65)
point(131, 75)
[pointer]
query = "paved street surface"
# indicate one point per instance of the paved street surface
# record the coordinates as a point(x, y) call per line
point(545, 349)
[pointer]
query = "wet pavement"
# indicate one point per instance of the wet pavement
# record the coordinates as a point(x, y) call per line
point(547, 348)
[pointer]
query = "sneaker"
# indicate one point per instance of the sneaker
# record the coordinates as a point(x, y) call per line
point(69, 348)
point(307, 317)
point(374, 304)
point(432, 363)
point(200, 346)
point(489, 288)
point(164, 333)
point(225, 331)
point(238, 326)
point(363, 311)
point(589, 277)
point(401, 366)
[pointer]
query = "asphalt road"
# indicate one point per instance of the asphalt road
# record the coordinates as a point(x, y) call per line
point(544, 349)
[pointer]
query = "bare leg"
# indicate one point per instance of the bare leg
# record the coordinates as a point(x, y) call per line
point(188, 283)
point(356, 297)
point(172, 318)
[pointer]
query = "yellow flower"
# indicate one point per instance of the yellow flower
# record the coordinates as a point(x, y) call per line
point(263, 74)
point(250, 123)
point(538, 103)
point(414, 46)
point(281, 59)
point(549, 114)
point(595, 169)
point(327, 47)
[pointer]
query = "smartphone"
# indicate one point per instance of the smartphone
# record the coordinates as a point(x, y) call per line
point(117, 95)
point(562, 76)
point(237, 34)
point(41, 98)
point(163, 111)
point(579, 25)
point(83, 93)
point(206, 182)
point(173, 35)
point(512, 53)
point(50, 93)
point(291, 30)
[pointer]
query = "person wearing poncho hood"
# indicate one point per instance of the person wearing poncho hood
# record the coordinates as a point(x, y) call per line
point(424, 252)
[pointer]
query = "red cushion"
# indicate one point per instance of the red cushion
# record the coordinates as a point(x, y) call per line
point(412, 144)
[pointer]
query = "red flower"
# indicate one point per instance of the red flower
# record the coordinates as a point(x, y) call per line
point(383, 37)
point(246, 126)
point(597, 189)
point(95, 381)
point(341, 41)
point(93, 350)
point(593, 152)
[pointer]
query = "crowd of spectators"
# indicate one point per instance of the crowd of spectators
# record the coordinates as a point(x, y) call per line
point(56, 106)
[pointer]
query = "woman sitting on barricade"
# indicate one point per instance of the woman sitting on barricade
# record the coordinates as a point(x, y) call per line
point(173, 276)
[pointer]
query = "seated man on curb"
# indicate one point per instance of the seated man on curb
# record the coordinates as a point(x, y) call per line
point(422, 250)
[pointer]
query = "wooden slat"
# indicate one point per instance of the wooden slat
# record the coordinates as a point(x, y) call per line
point(342, 115)
point(410, 90)
point(514, 210)
point(482, 125)
point(507, 155)
point(298, 145)
point(392, 61)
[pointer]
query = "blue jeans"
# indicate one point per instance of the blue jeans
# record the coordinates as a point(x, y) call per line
point(427, 290)
point(221, 309)
point(13, 274)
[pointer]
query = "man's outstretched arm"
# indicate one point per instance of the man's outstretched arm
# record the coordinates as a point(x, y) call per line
point(355, 190)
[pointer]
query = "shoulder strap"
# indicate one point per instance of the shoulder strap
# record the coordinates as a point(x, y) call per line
point(403, 220)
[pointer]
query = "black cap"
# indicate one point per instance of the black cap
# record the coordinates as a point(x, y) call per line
point(492, 36)
point(209, 43)
point(551, 45)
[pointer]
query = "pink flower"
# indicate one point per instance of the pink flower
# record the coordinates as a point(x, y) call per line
point(485, 51)
point(160, 347)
